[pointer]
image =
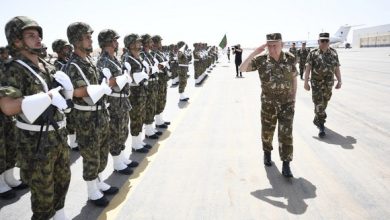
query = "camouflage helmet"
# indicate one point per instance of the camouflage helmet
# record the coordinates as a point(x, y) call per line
point(107, 36)
point(15, 27)
point(156, 38)
point(180, 44)
point(130, 39)
point(145, 38)
point(76, 30)
point(59, 44)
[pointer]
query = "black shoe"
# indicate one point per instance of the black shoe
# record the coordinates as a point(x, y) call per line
point(159, 133)
point(154, 136)
point(133, 164)
point(112, 190)
point(148, 146)
point(167, 123)
point(184, 100)
point(286, 171)
point(126, 171)
point(141, 150)
point(162, 126)
point(75, 148)
point(20, 186)
point(10, 194)
point(102, 202)
point(267, 158)
point(321, 134)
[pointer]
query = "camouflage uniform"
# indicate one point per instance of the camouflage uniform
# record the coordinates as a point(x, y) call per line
point(197, 61)
point(119, 106)
point(277, 104)
point(43, 157)
point(92, 126)
point(151, 89)
point(293, 51)
point(37, 169)
point(137, 97)
point(182, 69)
point(173, 61)
point(301, 56)
point(163, 78)
point(323, 66)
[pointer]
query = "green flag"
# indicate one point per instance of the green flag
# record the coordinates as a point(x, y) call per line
point(223, 42)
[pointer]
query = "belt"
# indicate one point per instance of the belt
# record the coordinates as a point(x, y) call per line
point(88, 108)
point(118, 95)
point(30, 127)
point(184, 65)
point(152, 79)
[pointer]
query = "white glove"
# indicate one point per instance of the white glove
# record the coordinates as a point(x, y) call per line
point(139, 76)
point(169, 73)
point(66, 83)
point(107, 90)
point(107, 73)
point(128, 66)
point(147, 66)
point(57, 100)
point(155, 69)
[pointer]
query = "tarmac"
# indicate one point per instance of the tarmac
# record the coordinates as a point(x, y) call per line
point(208, 164)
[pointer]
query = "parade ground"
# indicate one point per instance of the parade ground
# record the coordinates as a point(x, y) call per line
point(208, 165)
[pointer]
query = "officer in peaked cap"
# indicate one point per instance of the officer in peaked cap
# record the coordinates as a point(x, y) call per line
point(277, 97)
point(323, 65)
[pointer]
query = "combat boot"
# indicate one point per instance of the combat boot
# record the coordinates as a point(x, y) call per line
point(267, 158)
point(120, 166)
point(12, 181)
point(127, 161)
point(6, 192)
point(321, 133)
point(105, 188)
point(60, 215)
point(94, 194)
point(286, 171)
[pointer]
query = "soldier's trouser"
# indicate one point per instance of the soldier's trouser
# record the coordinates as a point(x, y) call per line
point(92, 131)
point(182, 79)
point(151, 101)
point(137, 113)
point(119, 130)
point(197, 69)
point(321, 94)
point(301, 68)
point(238, 63)
point(47, 176)
point(272, 112)
point(70, 122)
point(10, 145)
point(161, 95)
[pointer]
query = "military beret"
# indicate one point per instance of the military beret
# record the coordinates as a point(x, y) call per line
point(324, 36)
point(274, 37)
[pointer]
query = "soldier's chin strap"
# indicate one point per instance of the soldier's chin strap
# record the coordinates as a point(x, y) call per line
point(36, 51)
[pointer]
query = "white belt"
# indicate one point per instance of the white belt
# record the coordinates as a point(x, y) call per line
point(196, 59)
point(185, 65)
point(118, 95)
point(89, 108)
point(30, 127)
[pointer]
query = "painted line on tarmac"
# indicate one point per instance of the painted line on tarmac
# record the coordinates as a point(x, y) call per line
point(118, 201)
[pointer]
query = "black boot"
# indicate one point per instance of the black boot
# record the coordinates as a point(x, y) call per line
point(321, 133)
point(267, 158)
point(286, 171)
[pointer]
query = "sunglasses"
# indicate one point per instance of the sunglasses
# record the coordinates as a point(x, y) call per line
point(324, 41)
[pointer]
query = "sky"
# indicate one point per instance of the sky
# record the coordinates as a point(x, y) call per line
point(245, 22)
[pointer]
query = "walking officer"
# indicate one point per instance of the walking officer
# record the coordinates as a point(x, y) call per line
point(322, 65)
point(277, 73)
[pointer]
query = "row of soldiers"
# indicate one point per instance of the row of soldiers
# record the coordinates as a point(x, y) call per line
point(92, 103)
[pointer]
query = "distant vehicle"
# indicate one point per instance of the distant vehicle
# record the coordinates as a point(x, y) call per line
point(339, 37)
